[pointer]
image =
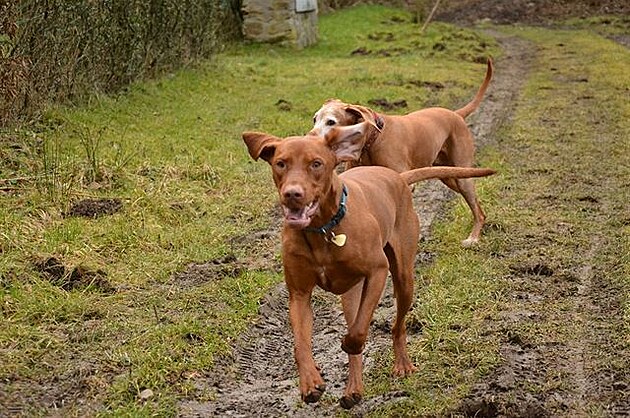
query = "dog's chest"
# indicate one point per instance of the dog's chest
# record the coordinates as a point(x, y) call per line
point(337, 278)
point(334, 268)
point(324, 281)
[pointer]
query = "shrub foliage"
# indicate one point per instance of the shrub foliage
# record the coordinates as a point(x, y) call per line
point(59, 51)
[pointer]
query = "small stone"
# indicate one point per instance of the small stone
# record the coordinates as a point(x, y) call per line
point(146, 394)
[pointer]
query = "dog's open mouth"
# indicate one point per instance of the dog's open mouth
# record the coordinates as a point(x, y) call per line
point(300, 218)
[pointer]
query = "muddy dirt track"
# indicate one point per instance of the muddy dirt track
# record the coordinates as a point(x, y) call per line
point(531, 12)
point(260, 379)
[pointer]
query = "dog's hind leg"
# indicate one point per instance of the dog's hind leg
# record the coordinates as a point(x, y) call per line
point(466, 188)
point(401, 267)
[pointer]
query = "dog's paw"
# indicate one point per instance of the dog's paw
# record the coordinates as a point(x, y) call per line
point(402, 370)
point(348, 401)
point(470, 242)
point(314, 395)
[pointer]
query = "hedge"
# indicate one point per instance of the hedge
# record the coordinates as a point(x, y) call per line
point(54, 51)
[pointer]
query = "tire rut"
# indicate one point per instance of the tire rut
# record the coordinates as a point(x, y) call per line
point(557, 331)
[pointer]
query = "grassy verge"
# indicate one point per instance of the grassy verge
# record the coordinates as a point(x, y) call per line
point(560, 203)
point(171, 152)
point(571, 129)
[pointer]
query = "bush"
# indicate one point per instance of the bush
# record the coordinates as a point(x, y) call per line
point(59, 51)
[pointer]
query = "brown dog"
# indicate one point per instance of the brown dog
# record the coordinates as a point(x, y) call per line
point(433, 136)
point(343, 233)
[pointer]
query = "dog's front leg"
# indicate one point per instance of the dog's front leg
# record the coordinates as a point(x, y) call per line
point(354, 388)
point(301, 316)
point(373, 286)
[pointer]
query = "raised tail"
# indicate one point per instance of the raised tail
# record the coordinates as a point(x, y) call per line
point(476, 101)
point(443, 172)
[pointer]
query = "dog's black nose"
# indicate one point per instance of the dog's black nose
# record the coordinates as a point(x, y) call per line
point(293, 193)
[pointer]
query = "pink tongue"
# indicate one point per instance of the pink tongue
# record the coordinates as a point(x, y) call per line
point(296, 214)
point(297, 218)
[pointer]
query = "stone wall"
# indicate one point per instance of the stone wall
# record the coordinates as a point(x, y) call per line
point(278, 21)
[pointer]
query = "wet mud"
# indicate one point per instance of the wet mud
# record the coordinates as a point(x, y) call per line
point(94, 208)
point(73, 277)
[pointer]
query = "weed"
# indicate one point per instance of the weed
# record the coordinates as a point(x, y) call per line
point(91, 141)
point(53, 184)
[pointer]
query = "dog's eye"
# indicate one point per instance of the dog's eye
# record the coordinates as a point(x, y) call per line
point(331, 122)
point(316, 164)
point(281, 164)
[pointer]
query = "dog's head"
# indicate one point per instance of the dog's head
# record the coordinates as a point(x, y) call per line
point(303, 167)
point(335, 113)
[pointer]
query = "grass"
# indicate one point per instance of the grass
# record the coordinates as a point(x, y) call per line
point(171, 151)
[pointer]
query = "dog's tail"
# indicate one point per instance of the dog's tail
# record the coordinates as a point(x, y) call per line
point(443, 172)
point(476, 101)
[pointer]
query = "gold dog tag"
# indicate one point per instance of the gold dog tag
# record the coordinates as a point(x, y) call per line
point(339, 240)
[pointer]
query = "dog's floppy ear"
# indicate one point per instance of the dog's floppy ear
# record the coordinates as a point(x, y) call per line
point(260, 145)
point(362, 112)
point(347, 141)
